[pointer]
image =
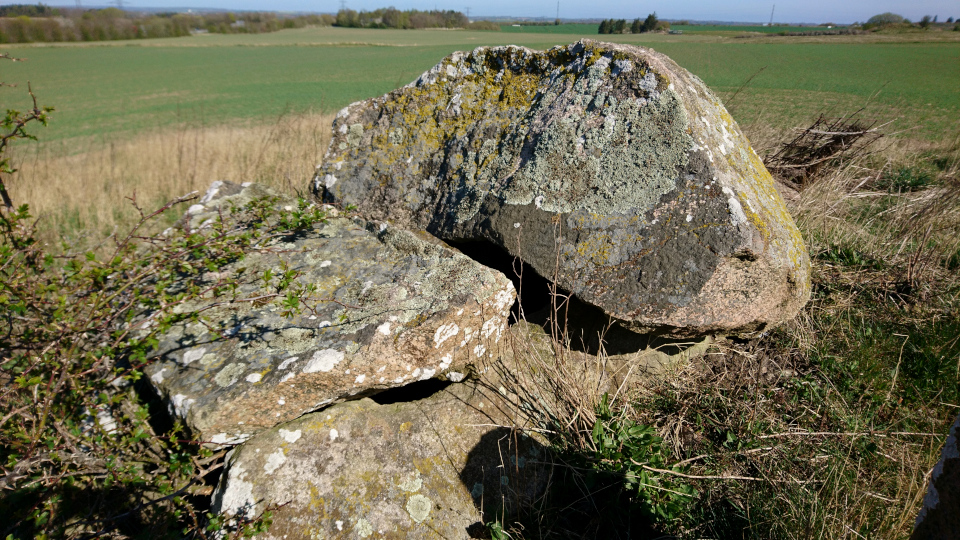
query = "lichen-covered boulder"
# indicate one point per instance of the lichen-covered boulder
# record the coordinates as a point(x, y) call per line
point(419, 469)
point(607, 165)
point(389, 307)
point(939, 518)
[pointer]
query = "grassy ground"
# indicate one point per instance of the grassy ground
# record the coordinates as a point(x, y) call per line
point(838, 416)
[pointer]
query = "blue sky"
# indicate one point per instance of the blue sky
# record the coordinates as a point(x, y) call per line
point(787, 11)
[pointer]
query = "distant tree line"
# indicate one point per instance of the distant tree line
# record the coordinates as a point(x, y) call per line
point(888, 21)
point(619, 26)
point(394, 18)
point(40, 23)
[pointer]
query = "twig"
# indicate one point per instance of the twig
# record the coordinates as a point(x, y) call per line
point(848, 434)
point(696, 477)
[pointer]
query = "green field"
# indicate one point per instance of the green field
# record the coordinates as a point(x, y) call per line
point(122, 87)
point(724, 29)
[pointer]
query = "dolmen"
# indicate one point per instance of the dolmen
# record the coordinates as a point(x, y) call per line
point(613, 172)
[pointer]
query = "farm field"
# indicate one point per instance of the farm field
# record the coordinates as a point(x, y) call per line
point(125, 87)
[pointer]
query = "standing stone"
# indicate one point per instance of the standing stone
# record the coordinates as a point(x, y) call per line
point(607, 165)
point(390, 307)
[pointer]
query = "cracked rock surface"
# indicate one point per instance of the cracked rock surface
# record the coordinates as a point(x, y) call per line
point(606, 164)
point(390, 307)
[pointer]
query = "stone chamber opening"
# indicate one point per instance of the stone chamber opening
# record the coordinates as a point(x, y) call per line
point(583, 327)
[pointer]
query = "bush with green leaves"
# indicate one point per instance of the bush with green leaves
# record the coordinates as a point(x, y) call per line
point(81, 452)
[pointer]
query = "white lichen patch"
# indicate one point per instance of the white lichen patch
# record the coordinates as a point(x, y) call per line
point(446, 361)
point(286, 363)
point(489, 327)
point(444, 333)
point(427, 373)
point(360, 379)
point(418, 507)
point(254, 378)
point(290, 436)
point(192, 356)
point(363, 528)
point(504, 298)
point(334, 434)
point(158, 376)
point(455, 376)
point(412, 484)
point(274, 461)
point(237, 496)
point(182, 404)
point(324, 360)
point(384, 329)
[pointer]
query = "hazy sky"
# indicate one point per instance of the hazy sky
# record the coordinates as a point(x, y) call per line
point(787, 11)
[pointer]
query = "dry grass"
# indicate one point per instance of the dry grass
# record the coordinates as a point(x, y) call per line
point(80, 189)
point(838, 416)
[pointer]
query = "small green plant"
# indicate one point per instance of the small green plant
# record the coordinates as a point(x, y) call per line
point(635, 452)
point(905, 179)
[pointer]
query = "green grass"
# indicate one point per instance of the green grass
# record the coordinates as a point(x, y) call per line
point(725, 29)
point(133, 86)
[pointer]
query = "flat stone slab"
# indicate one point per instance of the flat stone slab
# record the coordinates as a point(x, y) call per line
point(607, 165)
point(420, 469)
point(390, 307)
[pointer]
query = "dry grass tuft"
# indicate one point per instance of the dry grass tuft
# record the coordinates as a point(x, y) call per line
point(80, 189)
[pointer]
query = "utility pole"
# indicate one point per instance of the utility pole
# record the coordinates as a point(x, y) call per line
point(343, 5)
point(467, 9)
point(558, 10)
point(771, 15)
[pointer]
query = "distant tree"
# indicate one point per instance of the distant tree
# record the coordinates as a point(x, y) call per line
point(925, 21)
point(949, 19)
point(886, 18)
point(619, 26)
point(650, 24)
point(935, 18)
point(604, 27)
point(348, 18)
point(636, 27)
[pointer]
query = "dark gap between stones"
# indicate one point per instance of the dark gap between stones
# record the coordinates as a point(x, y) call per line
point(410, 392)
point(580, 324)
point(533, 290)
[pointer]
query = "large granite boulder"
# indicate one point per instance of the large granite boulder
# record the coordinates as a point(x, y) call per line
point(419, 469)
point(607, 165)
point(390, 307)
point(939, 518)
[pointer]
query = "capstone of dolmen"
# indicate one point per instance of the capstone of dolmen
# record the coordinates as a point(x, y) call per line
point(390, 307)
point(606, 165)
